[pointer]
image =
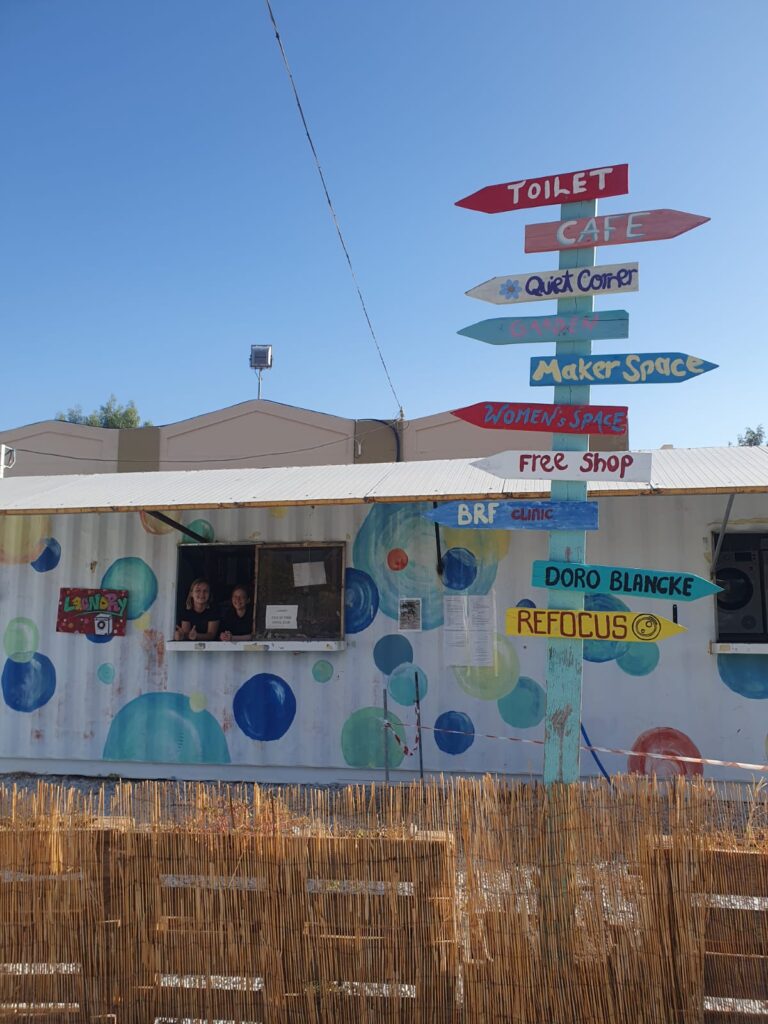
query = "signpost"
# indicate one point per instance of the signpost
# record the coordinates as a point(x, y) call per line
point(608, 420)
point(635, 368)
point(629, 627)
point(575, 186)
point(569, 465)
point(522, 330)
point(614, 579)
point(517, 515)
point(613, 229)
point(612, 279)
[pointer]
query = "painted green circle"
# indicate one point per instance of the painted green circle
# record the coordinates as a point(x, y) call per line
point(402, 683)
point(639, 659)
point(322, 671)
point(106, 673)
point(524, 707)
point(202, 528)
point(363, 739)
point(21, 639)
point(489, 682)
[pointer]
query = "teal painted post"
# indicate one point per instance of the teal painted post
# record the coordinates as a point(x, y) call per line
point(564, 657)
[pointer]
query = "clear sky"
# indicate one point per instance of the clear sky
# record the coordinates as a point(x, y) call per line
point(160, 211)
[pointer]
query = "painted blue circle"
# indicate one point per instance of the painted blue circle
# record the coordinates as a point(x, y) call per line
point(97, 638)
point(392, 650)
point(604, 650)
point(525, 602)
point(402, 684)
point(639, 659)
point(458, 734)
point(49, 557)
point(361, 600)
point(264, 707)
point(459, 568)
point(524, 705)
point(28, 685)
point(135, 576)
point(745, 674)
point(162, 727)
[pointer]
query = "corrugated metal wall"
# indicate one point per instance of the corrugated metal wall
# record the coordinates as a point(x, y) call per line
point(100, 707)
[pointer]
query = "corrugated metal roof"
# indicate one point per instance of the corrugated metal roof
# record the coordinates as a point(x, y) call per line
point(675, 471)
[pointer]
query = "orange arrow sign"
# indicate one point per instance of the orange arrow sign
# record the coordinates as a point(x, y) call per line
point(612, 229)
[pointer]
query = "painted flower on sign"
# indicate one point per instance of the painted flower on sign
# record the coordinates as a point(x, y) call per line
point(510, 289)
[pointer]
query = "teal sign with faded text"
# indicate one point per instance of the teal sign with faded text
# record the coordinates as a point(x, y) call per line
point(666, 585)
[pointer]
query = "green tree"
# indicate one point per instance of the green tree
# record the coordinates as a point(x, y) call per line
point(752, 436)
point(111, 414)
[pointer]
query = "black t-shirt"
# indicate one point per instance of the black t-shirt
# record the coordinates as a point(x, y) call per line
point(200, 620)
point(231, 622)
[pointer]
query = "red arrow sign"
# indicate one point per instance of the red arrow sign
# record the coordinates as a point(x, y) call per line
point(558, 419)
point(572, 187)
point(612, 229)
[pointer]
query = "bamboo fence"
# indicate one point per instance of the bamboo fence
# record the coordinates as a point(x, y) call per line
point(461, 901)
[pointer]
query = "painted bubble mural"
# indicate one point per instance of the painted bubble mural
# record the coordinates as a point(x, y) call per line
point(670, 742)
point(402, 684)
point(322, 671)
point(639, 659)
point(604, 650)
point(396, 527)
point(23, 538)
point(152, 525)
point(489, 682)
point(454, 732)
point(264, 707)
point(134, 575)
point(524, 706)
point(363, 739)
point(49, 557)
point(202, 528)
point(361, 600)
point(390, 651)
point(28, 685)
point(459, 569)
point(164, 728)
point(105, 673)
point(745, 674)
point(21, 639)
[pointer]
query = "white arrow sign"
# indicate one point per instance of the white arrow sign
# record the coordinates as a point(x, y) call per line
point(559, 284)
point(629, 466)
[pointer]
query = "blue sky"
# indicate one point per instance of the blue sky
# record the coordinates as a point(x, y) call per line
point(160, 211)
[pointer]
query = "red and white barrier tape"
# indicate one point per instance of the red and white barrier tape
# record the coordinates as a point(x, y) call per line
point(599, 750)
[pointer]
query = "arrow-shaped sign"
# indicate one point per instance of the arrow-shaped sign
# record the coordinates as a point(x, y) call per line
point(588, 466)
point(521, 330)
point(560, 419)
point(559, 284)
point(573, 187)
point(614, 579)
point(635, 368)
point(612, 229)
point(517, 515)
point(631, 627)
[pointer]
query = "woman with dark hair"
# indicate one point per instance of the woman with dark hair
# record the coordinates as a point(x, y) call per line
point(198, 622)
point(237, 620)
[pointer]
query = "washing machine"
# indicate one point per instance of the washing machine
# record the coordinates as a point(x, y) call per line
point(741, 605)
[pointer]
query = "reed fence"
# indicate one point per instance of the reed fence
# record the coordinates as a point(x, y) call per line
point(466, 901)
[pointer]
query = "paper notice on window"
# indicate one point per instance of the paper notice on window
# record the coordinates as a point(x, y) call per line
point(456, 646)
point(409, 615)
point(281, 616)
point(309, 574)
point(455, 612)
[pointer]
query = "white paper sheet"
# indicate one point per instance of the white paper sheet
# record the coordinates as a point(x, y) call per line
point(281, 616)
point(309, 574)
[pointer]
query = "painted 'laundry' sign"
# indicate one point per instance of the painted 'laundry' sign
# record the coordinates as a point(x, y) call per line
point(635, 368)
point(94, 612)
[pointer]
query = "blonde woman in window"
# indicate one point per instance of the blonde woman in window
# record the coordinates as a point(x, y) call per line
point(198, 622)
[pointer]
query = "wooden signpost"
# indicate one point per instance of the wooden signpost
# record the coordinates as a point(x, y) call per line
point(614, 579)
point(565, 419)
point(575, 186)
point(577, 624)
point(517, 515)
point(635, 368)
point(613, 229)
point(569, 465)
point(565, 283)
point(522, 330)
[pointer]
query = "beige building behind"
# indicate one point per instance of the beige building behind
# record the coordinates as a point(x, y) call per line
point(260, 433)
